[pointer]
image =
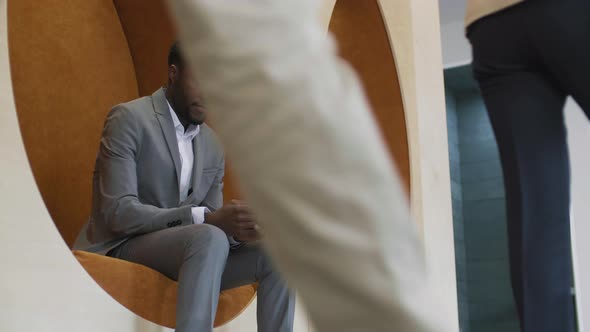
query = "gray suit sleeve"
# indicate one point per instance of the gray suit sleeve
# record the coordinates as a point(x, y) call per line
point(214, 198)
point(123, 213)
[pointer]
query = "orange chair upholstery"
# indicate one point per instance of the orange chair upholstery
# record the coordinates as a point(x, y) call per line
point(71, 61)
point(132, 283)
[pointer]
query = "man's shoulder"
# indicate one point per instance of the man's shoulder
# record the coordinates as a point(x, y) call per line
point(137, 108)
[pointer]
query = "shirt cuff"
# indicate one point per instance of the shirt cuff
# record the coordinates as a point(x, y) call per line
point(198, 213)
point(233, 241)
point(233, 244)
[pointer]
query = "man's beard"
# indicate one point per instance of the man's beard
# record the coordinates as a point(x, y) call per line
point(201, 118)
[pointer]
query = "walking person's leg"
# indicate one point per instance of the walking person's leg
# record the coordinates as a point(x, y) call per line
point(532, 142)
point(525, 106)
point(563, 30)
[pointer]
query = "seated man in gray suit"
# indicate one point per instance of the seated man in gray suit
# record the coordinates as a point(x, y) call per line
point(157, 201)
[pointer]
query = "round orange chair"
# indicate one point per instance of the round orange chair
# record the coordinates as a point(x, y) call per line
point(71, 61)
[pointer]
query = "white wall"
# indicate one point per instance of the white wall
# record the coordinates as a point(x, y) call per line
point(579, 138)
point(455, 46)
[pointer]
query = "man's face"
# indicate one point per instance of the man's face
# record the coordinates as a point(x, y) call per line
point(187, 99)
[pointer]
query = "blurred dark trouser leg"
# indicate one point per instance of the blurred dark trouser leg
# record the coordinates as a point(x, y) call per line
point(517, 68)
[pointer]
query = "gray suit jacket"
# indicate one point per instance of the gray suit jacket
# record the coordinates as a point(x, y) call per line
point(136, 176)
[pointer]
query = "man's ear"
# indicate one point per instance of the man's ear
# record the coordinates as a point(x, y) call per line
point(173, 73)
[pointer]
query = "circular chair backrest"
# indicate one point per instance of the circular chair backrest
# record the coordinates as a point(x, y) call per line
point(71, 61)
point(70, 64)
point(363, 41)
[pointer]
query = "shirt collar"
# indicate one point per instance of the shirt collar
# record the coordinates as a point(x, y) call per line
point(192, 130)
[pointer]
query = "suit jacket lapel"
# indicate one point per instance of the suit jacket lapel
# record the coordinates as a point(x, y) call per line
point(165, 119)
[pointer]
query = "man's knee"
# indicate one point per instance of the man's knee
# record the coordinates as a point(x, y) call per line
point(207, 239)
point(265, 265)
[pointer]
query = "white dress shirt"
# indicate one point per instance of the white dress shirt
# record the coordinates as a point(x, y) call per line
point(187, 158)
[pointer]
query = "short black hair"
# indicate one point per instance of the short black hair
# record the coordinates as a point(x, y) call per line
point(174, 56)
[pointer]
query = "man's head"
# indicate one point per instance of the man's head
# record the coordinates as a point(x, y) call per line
point(182, 92)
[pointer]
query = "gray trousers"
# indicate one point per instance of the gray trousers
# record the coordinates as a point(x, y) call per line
point(200, 259)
